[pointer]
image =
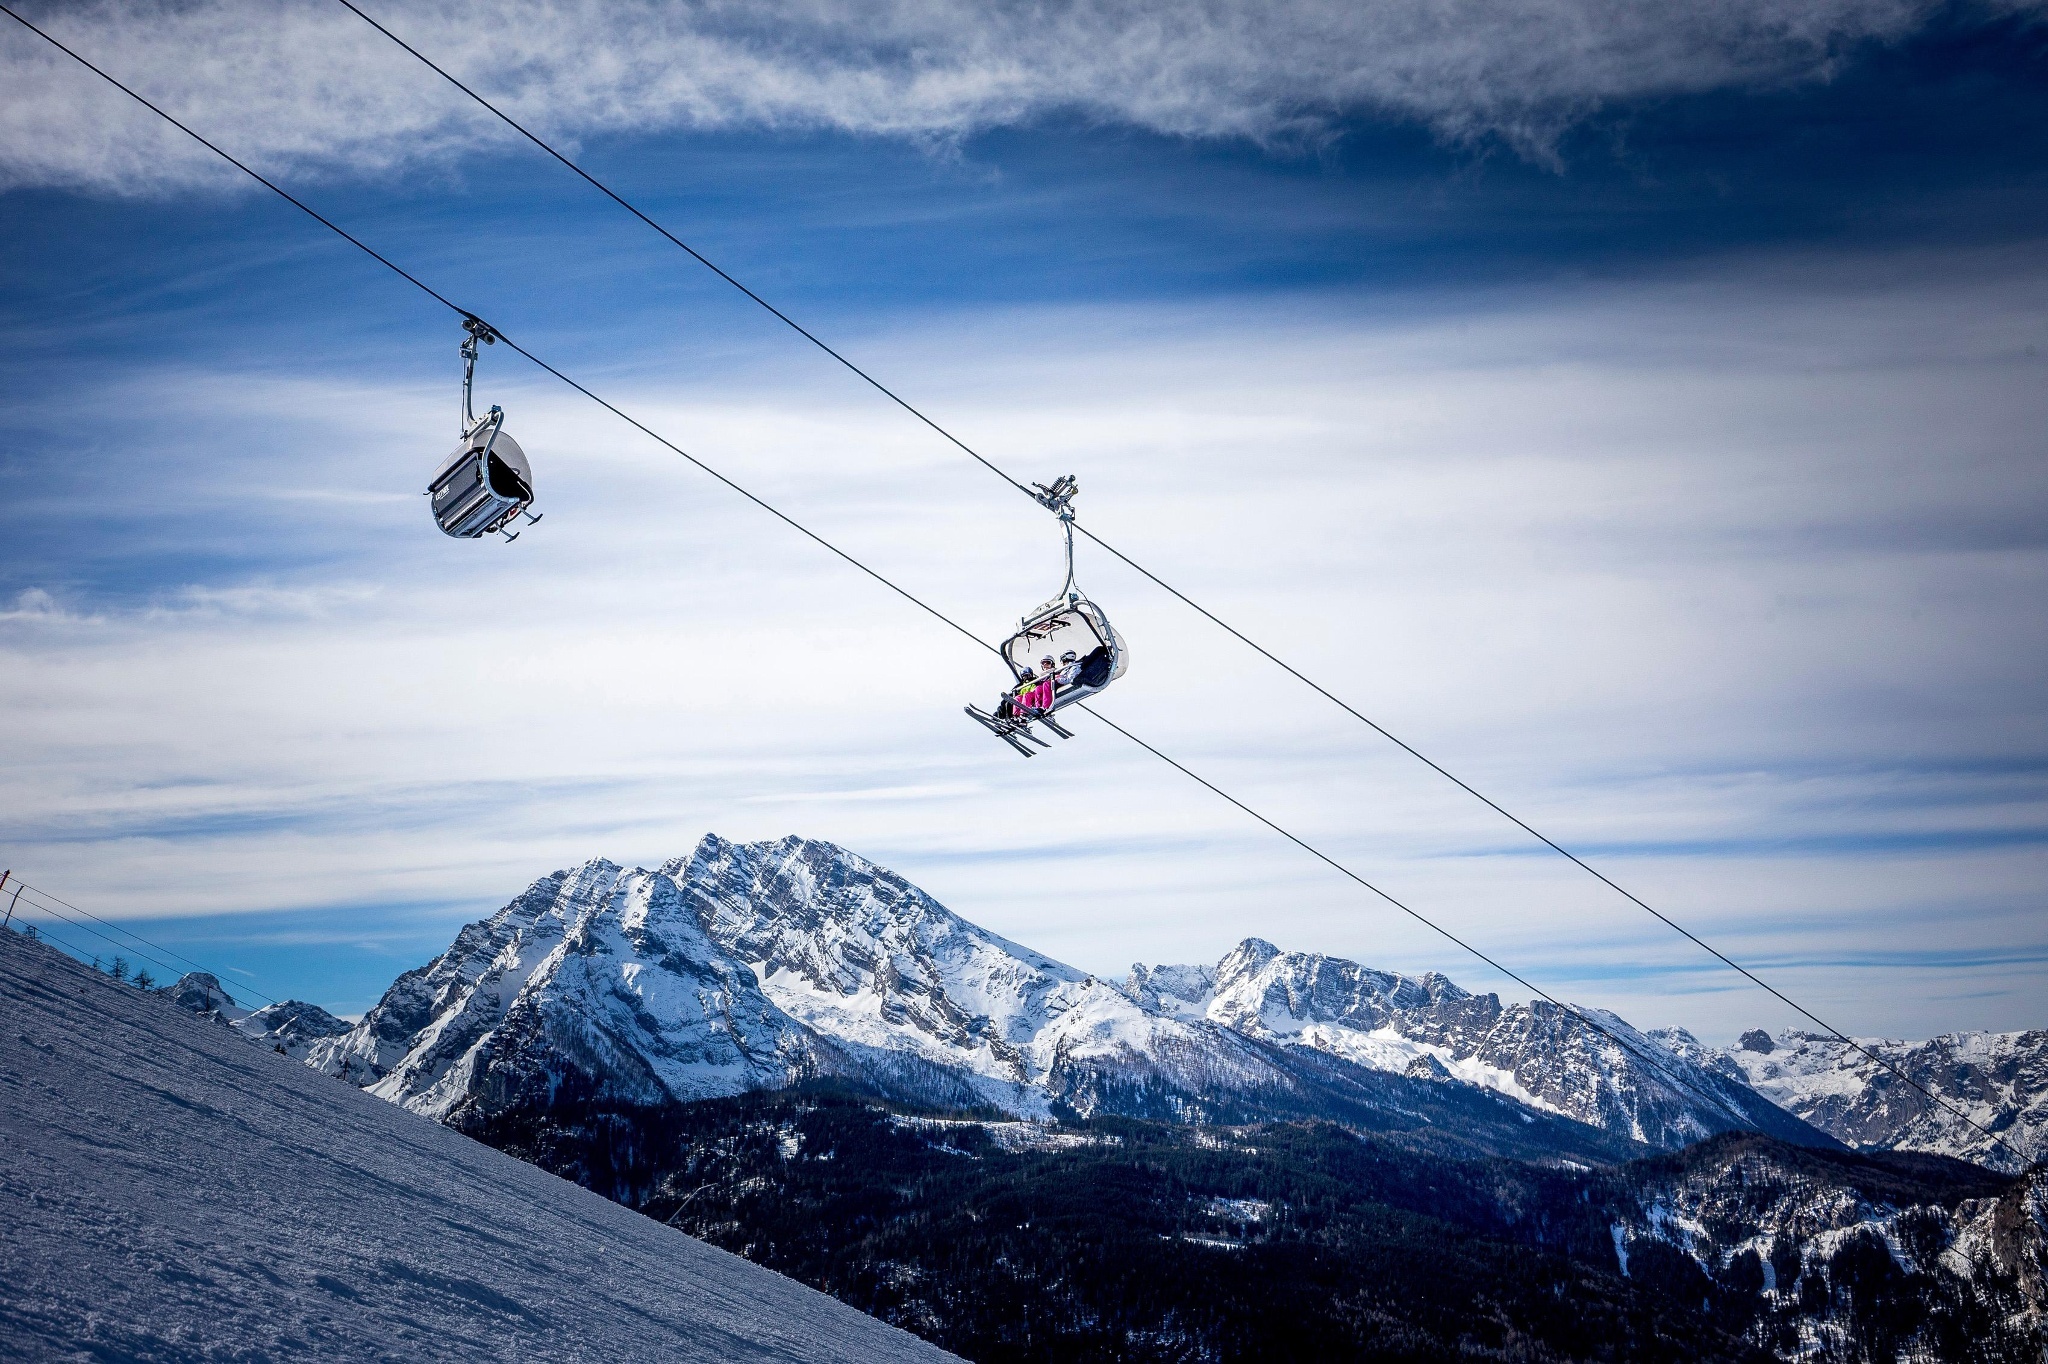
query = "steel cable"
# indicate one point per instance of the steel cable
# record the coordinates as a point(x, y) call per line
point(1147, 573)
point(905, 593)
point(122, 928)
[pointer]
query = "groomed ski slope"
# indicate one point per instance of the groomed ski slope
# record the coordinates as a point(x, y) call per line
point(169, 1192)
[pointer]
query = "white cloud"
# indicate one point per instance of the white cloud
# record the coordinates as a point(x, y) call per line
point(305, 86)
point(1747, 558)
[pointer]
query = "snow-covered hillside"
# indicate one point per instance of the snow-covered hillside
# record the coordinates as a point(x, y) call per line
point(1650, 1087)
point(748, 966)
point(1999, 1079)
point(169, 1193)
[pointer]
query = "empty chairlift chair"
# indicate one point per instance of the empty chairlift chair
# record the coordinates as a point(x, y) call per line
point(1087, 652)
point(487, 482)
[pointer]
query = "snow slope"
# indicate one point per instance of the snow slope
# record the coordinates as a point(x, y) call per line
point(1998, 1079)
point(1660, 1088)
point(170, 1193)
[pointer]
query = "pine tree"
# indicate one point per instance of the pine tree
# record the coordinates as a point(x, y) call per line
point(119, 970)
point(144, 980)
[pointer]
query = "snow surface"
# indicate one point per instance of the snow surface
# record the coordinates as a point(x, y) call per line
point(172, 1193)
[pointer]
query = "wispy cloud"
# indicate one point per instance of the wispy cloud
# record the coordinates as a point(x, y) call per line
point(1555, 540)
point(302, 85)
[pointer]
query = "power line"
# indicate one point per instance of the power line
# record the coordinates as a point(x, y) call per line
point(76, 923)
point(872, 573)
point(1169, 588)
point(123, 928)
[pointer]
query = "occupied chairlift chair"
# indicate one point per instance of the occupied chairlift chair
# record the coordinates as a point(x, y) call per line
point(487, 481)
point(1068, 621)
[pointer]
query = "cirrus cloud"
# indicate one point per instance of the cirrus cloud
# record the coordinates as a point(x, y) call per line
point(301, 86)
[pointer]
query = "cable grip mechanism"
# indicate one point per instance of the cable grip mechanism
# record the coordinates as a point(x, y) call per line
point(477, 330)
point(1059, 498)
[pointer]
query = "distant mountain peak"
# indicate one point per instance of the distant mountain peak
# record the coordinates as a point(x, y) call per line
point(202, 993)
point(292, 1026)
point(1663, 1089)
point(1984, 1083)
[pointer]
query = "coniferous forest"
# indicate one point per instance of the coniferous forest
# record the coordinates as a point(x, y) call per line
point(1124, 1240)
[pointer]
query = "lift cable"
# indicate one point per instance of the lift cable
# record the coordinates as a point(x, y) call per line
point(694, 253)
point(1147, 573)
point(1575, 1012)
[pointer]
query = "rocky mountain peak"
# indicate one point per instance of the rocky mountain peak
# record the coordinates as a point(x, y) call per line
point(757, 965)
point(1991, 1089)
point(202, 993)
point(1249, 956)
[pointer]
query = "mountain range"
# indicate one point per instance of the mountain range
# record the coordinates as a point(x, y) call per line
point(1992, 1087)
point(758, 966)
point(702, 1040)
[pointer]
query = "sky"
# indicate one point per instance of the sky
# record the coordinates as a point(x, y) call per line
point(1640, 414)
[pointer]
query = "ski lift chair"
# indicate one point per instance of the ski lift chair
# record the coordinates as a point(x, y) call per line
point(1068, 621)
point(486, 482)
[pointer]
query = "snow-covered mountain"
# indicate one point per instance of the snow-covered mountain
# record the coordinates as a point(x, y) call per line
point(1659, 1088)
point(292, 1026)
point(747, 966)
point(1999, 1079)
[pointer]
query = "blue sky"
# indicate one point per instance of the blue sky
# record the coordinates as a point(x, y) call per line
point(1643, 418)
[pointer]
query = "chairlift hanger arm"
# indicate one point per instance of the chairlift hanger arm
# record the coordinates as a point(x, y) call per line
point(475, 329)
point(1058, 498)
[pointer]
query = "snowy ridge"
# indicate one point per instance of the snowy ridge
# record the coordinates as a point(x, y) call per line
point(751, 966)
point(1659, 1088)
point(596, 973)
point(1998, 1079)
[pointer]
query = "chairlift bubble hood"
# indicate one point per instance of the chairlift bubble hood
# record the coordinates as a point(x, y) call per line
point(1068, 622)
point(486, 481)
point(1064, 623)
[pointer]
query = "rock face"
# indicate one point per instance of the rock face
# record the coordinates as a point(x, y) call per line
point(1661, 1088)
point(758, 966)
point(292, 1026)
point(1833, 1255)
point(1998, 1079)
